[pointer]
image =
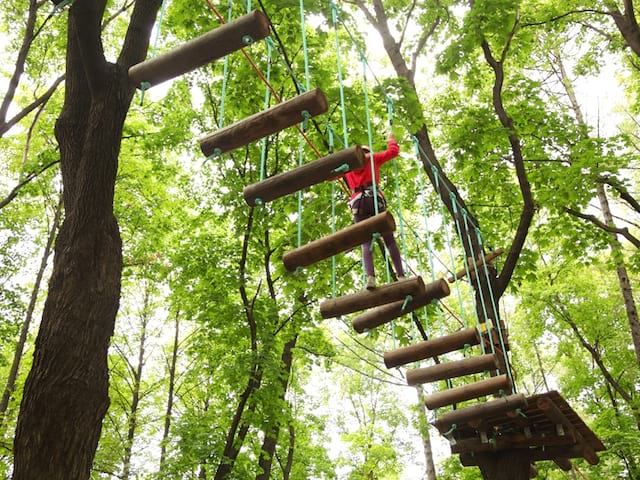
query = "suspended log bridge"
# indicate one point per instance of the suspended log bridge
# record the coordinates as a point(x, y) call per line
point(384, 314)
point(204, 49)
point(458, 368)
point(339, 242)
point(489, 386)
point(267, 122)
point(284, 183)
point(363, 299)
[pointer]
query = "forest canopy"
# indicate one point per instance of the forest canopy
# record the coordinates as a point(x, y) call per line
point(149, 327)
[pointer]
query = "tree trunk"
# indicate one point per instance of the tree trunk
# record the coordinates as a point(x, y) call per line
point(172, 380)
point(621, 271)
point(423, 422)
point(505, 465)
point(265, 461)
point(17, 356)
point(286, 470)
point(66, 392)
point(137, 381)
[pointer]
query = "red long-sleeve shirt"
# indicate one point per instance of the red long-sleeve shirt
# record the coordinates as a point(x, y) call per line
point(362, 176)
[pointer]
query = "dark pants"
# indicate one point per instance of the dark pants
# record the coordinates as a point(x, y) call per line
point(362, 209)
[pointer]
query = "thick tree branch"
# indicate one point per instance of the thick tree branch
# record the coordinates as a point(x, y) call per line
point(528, 210)
point(622, 191)
point(607, 228)
point(86, 18)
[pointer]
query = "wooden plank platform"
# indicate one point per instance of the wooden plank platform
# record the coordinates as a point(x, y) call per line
point(531, 428)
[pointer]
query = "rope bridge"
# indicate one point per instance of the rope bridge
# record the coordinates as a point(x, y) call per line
point(484, 412)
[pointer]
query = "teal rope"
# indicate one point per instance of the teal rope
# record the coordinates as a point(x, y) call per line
point(497, 325)
point(225, 70)
point(304, 46)
point(473, 260)
point(448, 238)
point(267, 101)
point(334, 18)
point(333, 218)
point(153, 50)
point(369, 134)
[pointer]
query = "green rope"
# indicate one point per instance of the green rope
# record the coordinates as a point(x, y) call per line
point(225, 70)
point(334, 18)
point(407, 299)
point(451, 430)
point(369, 134)
point(448, 239)
point(153, 50)
point(267, 101)
point(333, 217)
point(304, 46)
point(497, 324)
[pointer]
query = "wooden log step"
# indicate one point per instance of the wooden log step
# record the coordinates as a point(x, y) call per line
point(384, 314)
point(458, 368)
point(488, 258)
point(267, 122)
point(391, 292)
point(339, 242)
point(489, 386)
point(432, 348)
point(201, 50)
point(551, 410)
point(304, 176)
point(484, 410)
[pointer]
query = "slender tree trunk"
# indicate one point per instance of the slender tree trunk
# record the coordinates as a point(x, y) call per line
point(66, 392)
point(172, 380)
point(286, 470)
point(237, 430)
point(24, 331)
point(265, 462)
point(621, 271)
point(137, 382)
point(423, 422)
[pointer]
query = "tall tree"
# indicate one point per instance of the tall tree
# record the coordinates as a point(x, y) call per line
point(66, 393)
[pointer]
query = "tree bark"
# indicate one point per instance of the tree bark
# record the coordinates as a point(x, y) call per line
point(136, 385)
point(24, 331)
point(608, 224)
point(66, 392)
point(172, 380)
point(423, 422)
point(238, 430)
point(621, 271)
point(286, 470)
point(272, 431)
